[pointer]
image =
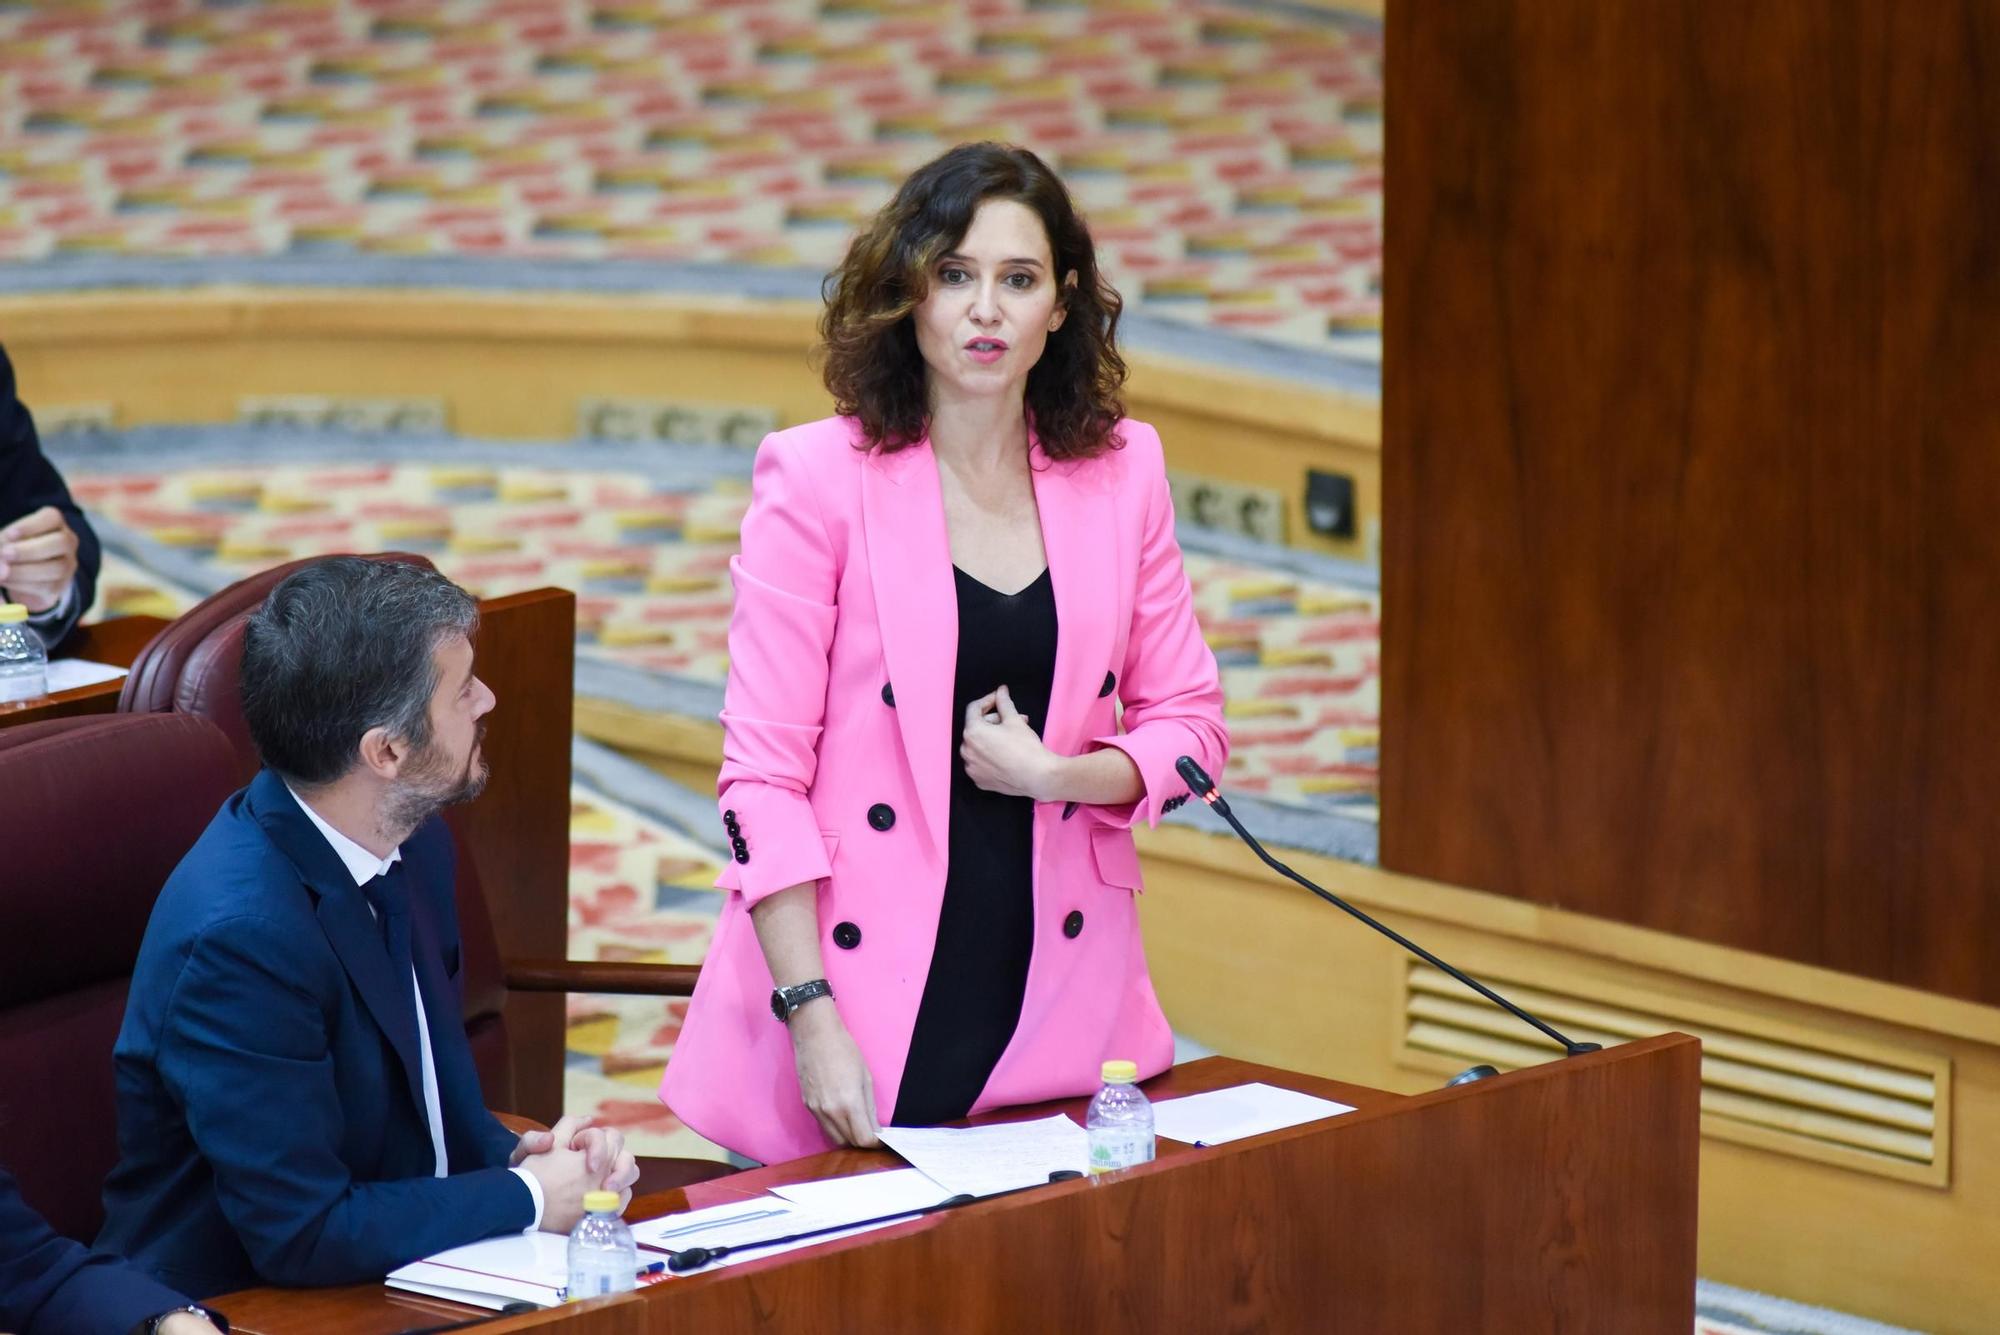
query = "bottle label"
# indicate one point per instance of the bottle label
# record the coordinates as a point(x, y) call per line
point(18, 686)
point(1116, 1147)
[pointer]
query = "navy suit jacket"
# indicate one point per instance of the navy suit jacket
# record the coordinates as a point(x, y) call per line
point(50, 1285)
point(271, 1123)
point(28, 481)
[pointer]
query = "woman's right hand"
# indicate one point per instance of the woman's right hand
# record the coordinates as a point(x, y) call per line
point(833, 1077)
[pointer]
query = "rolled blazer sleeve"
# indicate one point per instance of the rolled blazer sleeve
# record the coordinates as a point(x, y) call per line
point(774, 704)
point(1170, 687)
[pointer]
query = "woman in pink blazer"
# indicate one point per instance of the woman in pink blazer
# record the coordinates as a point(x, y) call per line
point(945, 597)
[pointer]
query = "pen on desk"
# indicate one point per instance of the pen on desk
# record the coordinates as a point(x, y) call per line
point(653, 1269)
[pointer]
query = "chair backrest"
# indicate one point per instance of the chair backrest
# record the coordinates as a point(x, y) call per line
point(94, 815)
point(194, 666)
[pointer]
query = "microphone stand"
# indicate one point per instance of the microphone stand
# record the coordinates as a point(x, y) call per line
point(1204, 787)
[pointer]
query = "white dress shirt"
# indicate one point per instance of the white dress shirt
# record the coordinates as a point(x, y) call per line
point(364, 867)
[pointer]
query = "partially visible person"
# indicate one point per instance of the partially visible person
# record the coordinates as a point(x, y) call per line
point(297, 1102)
point(51, 1285)
point(48, 553)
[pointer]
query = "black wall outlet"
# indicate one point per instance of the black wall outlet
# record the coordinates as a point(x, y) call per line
point(1330, 503)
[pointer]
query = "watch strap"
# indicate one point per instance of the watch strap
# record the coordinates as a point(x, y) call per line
point(785, 1001)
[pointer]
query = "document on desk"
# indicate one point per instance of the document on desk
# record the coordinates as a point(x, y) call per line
point(1240, 1111)
point(866, 1195)
point(746, 1223)
point(983, 1160)
point(66, 674)
point(516, 1268)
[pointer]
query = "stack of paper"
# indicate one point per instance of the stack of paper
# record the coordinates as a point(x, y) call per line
point(517, 1268)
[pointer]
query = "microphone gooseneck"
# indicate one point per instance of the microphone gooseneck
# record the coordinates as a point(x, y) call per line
point(1203, 787)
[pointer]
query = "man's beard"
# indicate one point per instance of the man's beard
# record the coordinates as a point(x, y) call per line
point(430, 787)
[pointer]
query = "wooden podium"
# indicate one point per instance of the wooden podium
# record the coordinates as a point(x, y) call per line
point(1557, 1198)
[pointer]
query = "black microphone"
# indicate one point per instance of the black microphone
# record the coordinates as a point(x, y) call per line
point(1203, 787)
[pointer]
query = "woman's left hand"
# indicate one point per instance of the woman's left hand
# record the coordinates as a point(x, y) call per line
point(1002, 753)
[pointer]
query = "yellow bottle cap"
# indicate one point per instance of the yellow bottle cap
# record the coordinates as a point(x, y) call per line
point(1121, 1073)
point(601, 1202)
point(12, 612)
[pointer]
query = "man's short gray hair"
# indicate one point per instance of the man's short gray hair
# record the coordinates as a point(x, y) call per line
point(341, 646)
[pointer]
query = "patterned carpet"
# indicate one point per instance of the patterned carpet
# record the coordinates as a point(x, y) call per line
point(638, 890)
point(1228, 155)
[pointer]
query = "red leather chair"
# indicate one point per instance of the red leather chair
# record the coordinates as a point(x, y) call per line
point(94, 814)
point(193, 666)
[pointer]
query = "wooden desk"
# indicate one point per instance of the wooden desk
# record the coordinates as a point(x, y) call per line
point(1556, 1198)
point(117, 642)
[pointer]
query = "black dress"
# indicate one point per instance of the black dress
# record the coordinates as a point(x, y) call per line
point(986, 928)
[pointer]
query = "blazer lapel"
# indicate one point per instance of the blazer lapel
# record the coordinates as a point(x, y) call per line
point(1079, 534)
point(351, 931)
point(916, 609)
point(343, 915)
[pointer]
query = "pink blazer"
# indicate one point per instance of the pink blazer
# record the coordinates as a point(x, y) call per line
point(838, 739)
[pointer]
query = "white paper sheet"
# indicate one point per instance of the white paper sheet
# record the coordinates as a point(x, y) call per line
point(520, 1267)
point(866, 1195)
point(744, 1223)
point(66, 674)
point(755, 1217)
point(1223, 1115)
point(982, 1160)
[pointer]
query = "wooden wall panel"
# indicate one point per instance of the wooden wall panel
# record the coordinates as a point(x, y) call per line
point(1691, 447)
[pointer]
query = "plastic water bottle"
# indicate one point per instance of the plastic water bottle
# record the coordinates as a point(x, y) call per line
point(24, 663)
point(602, 1257)
point(1120, 1122)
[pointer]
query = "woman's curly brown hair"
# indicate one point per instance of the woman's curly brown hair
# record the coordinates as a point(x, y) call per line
point(869, 341)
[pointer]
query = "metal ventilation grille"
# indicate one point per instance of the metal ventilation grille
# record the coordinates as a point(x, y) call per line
point(1823, 1099)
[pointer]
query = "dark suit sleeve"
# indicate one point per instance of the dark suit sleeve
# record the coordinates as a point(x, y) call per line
point(28, 481)
point(243, 1048)
point(50, 1285)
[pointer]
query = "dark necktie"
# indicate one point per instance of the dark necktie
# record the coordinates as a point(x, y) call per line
point(390, 899)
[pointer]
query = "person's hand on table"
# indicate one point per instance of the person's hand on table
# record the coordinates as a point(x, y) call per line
point(833, 1077)
point(185, 1323)
point(38, 559)
point(604, 1154)
point(561, 1170)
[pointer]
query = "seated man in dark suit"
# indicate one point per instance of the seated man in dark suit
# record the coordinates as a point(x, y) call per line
point(297, 1102)
point(48, 554)
point(50, 1285)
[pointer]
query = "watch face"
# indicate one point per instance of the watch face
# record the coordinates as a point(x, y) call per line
point(778, 1007)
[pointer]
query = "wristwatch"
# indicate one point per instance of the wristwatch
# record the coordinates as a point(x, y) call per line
point(785, 1001)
